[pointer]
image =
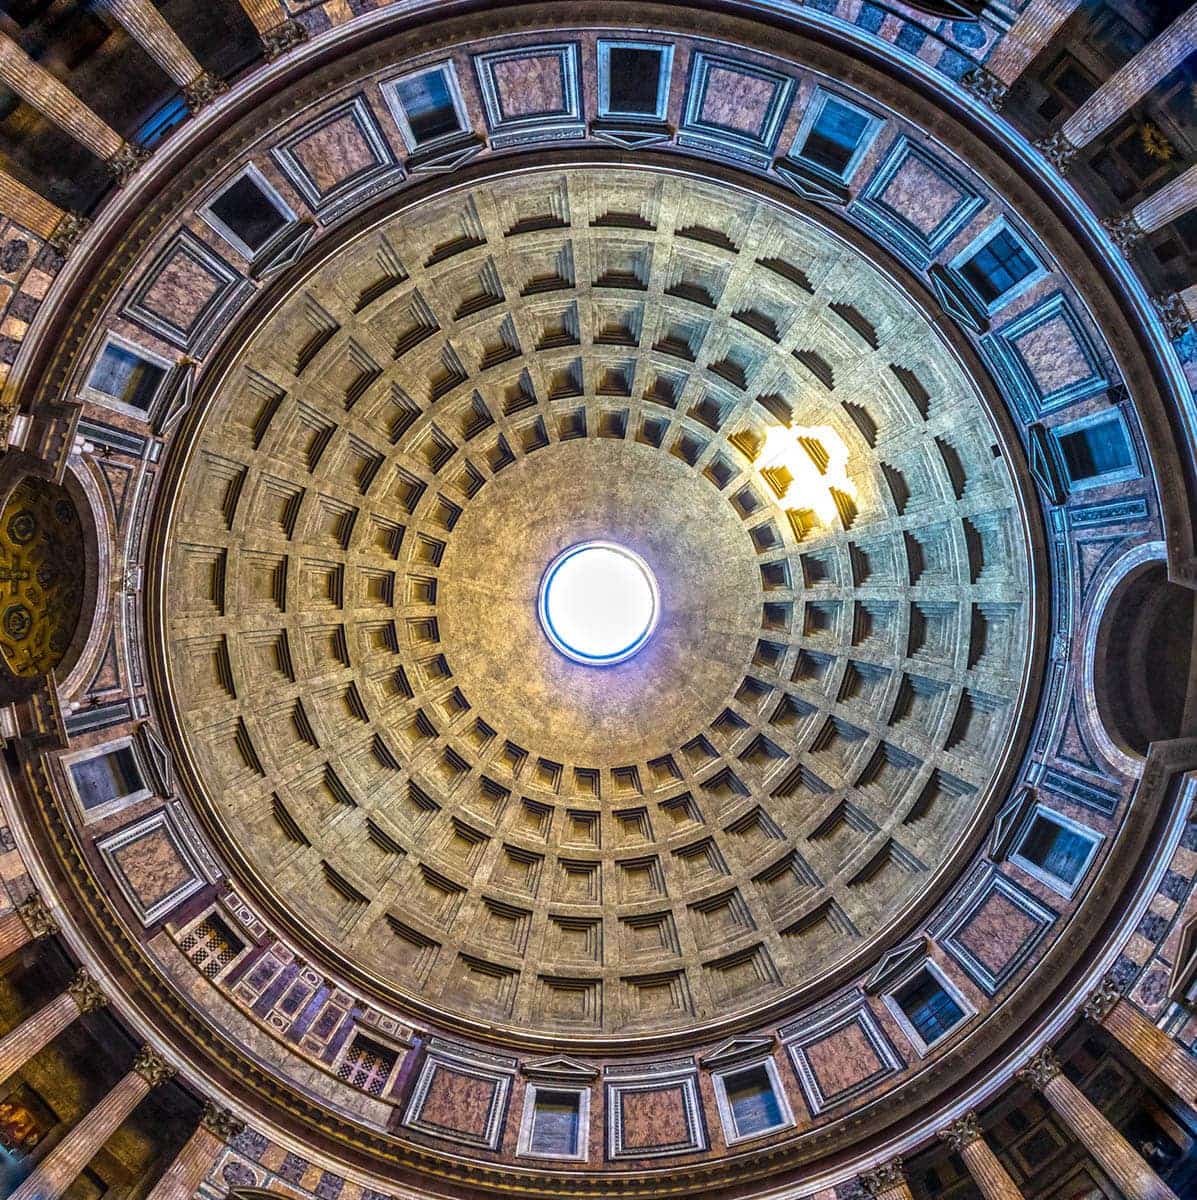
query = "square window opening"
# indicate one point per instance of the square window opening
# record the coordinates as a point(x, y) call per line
point(556, 1124)
point(427, 102)
point(929, 1007)
point(1098, 449)
point(1056, 849)
point(248, 211)
point(752, 1101)
point(104, 778)
point(634, 80)
point(367, 1065)
point(126, 376)
point(999, 265)
point(834, 137)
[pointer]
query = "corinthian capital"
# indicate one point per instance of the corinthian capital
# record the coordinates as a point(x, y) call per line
point(881, 1179)
point(37, 917)
point(152, 1067)
point(1042, 1068)
point(220, 1121)
point(86, 993)
point(961, 1132)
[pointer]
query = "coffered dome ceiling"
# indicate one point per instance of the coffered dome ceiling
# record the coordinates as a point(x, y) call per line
point(386, 738)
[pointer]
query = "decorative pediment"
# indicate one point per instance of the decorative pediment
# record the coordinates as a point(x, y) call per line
point(560, 1069)
point(956, 300)
point(1184, 972)
point(280, 252)
point(735, 1050)
point(895, 962)
point(1008, 820)
point(630, 137)
point(809, 184)
point(447, 158)
point(1044, 466)
point(177, 394)
point(159, 757)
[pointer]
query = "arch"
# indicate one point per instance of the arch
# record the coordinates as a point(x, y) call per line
point(1142, 656)
point(43, 582)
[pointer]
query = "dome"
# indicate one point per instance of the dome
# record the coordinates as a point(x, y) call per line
point(599, 597)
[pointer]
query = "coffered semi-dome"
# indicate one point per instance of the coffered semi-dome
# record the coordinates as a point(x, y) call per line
point(597, 598)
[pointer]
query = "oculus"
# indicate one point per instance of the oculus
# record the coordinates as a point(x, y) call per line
point(598, 603)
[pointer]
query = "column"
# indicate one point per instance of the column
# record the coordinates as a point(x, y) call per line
point(217, 1126)
point(1178, 311)
point(277, 31)
point(30, 920)
point(964, 1136)
point(1118, 1159)
point(58, 228)
point(887, 1182)
point(1129, 84)
point(19, 1045)
point(1034, 27)
point(38, 88)
point(1165, 1059)
point(62, 1166)
point(145, 24)
point(1163, 205)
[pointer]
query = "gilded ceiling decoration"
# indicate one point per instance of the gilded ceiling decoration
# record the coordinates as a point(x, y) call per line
point(41, 577)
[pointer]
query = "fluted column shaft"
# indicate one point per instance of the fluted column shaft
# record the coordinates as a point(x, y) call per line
point(19, 1045)
point(146, 26)
point(987, 1172)
point(1034, 27)
point(14, 933)
point(63, 1165)
point(1132, 81)
point(1169, 202)
point(190, 1166)
point(37, 87)
point(1117, 1157)
point(27, 208)
point(265, 14)
point(1164, 1058)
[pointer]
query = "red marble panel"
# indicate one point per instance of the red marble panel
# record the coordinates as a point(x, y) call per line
point(528, 86)
point(842, 1059)
point(152, 867)
point(458, 1101)
point(996, 933)
point(334, 153)
point(1053, 355)
point(181, 291)
point(920, 194)
point(654, 1118)
point(737, 101)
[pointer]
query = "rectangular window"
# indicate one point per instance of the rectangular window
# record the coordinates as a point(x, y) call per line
point(211, 945)
point(249, 210)
point(752, 1102)
point(104, 778)
point(368, 1064)
point(999, 265)
point(1099, 448)
point(427, 106)
point(555, 1122)
point(126, 376)
point(834, 140)
point(928, 1006)
point(634, 79)
point(1061, 852)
